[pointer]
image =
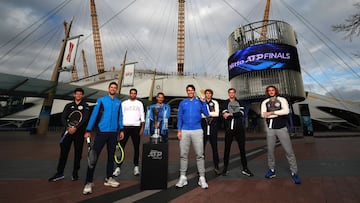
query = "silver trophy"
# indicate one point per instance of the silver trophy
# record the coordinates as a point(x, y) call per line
point(156, 138)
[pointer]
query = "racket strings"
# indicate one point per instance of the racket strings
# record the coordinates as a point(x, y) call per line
point(92, 158)
point(92, 155)
point(74, 118)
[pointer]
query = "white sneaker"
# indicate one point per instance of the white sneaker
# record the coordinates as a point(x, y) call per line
point(111, 182)
point(136, 171)
point(88, 188)
point(117, 172)
point(182, 181)
point(202, 183)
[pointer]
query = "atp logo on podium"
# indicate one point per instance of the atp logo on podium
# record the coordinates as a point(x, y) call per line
point(155, 154)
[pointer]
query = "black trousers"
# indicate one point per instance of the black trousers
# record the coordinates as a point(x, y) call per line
point(65, 145)
point(133, 132)
point(212, 138)
point(100, 140)
point(239, 133)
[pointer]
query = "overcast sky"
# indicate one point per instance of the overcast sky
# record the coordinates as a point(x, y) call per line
point(31, 34)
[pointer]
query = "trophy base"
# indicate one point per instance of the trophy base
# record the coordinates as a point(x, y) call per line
point(155, 139)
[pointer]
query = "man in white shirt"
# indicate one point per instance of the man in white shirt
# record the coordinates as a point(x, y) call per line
point(133, 122)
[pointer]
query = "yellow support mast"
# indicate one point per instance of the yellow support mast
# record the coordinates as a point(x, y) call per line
point(44, 117)
point(181, 38)
point(85, 66)
point(96, 36)
point(265, 21)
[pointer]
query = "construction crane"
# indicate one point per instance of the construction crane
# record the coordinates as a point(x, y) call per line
point(96, 37)
point(265, 21)
point(86, 70)
point(181, 38)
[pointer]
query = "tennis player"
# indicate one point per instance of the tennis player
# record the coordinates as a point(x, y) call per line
point(107, 118)
point(275, 110)
point(233, 112)
point(74, 118)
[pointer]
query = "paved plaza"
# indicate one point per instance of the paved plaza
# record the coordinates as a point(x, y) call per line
point(329, 165)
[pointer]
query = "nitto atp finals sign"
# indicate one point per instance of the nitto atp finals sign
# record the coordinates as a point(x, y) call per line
point(262, 57)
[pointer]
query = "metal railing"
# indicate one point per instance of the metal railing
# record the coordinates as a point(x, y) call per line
point(277, 32)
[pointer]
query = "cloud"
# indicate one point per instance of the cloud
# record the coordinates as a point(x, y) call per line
point(149, 32)
point(345, 93)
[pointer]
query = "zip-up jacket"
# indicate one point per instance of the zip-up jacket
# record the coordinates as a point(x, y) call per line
point(280, 108)
point(238, 112)
point(106, 115)
point(189, 115)
point(83, 107)
point(213, 108)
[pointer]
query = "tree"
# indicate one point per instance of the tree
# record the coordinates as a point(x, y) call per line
point(351, 27)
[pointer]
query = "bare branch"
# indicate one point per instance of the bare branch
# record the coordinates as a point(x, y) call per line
point(351, 27)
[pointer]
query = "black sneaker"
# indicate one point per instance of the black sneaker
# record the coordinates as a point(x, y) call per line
point(217, 170)
point(225, 172)
point(247, 172)
point(75, 177)
point(56, 177)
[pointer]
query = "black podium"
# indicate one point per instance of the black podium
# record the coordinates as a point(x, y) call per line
point(154, 167)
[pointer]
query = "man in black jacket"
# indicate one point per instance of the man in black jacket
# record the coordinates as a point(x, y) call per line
point(73, 132)
point(210, 128)
point(233, 113)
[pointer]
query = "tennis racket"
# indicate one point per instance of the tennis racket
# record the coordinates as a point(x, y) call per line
point(73, 120)
point(119, 154)
point(92, 157)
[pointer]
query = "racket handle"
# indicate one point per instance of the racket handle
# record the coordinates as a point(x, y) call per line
point(88, 140)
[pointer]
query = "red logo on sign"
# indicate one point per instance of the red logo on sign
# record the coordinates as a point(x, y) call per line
point(71, 47)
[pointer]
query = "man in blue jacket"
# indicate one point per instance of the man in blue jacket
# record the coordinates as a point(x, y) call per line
point(107, 118)
point(159, 118)
point(190, 130)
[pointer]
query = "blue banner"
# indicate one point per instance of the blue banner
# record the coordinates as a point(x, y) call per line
point(262, 57)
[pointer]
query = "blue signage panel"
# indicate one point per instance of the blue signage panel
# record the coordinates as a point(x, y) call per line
point(263, 56)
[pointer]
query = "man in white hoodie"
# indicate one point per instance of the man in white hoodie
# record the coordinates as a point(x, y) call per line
point(133, 122)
